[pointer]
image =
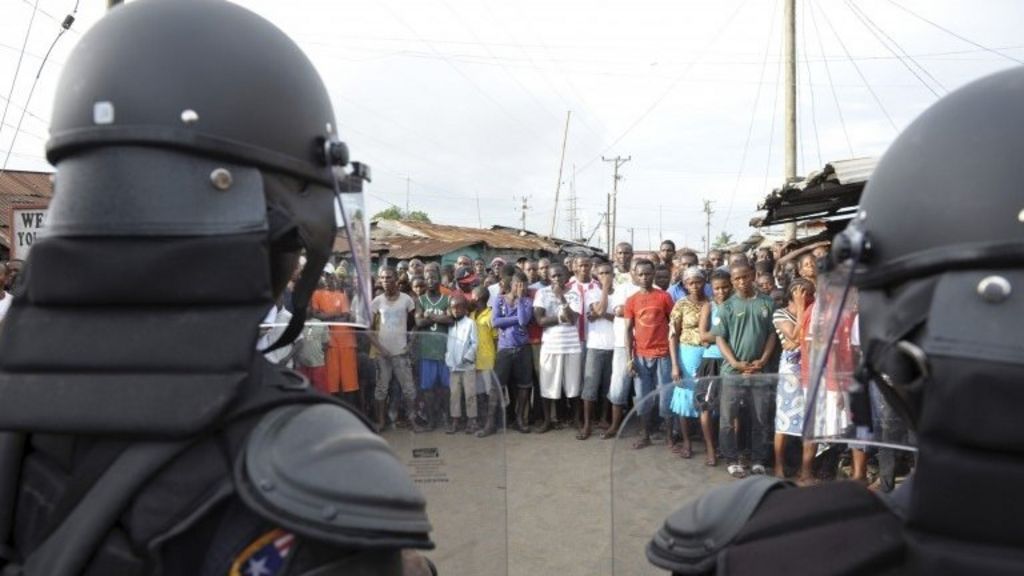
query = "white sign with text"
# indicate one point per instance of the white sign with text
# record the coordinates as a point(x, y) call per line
point(26, 223)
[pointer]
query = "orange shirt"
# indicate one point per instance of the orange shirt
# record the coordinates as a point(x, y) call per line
point(650, 313)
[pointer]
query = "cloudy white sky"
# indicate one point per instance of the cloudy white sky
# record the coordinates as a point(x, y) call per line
point(460, 100)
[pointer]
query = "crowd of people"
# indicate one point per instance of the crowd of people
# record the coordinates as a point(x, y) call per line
point(543, 344)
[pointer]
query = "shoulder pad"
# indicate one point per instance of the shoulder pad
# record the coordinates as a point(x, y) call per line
point(320, 472)
point(692, 536)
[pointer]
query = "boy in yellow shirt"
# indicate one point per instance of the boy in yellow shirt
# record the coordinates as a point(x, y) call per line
point(486, 379)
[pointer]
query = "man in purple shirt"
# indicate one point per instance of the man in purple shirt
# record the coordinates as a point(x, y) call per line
point(511, 312)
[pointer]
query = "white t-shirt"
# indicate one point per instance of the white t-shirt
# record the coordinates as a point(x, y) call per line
point(560, 338)
point(5, 304)
point(601, 333)
point(278, 319)
point(616, 300)
point(393, 330)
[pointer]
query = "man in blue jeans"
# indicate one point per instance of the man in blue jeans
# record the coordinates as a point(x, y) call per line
point(647, 313)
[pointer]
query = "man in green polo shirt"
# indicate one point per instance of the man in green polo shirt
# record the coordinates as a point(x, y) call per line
point(746, 337)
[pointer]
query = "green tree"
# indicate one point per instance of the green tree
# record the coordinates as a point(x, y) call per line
point(396, 213)
point(723, 239)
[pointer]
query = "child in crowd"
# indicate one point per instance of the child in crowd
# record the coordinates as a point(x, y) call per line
point(687, 351)
point(765, 284)
point(311, 353)
point(460, 357)
point(707, 390)
point(790, 324)
point(487, 385)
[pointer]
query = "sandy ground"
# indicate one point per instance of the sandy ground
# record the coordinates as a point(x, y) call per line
point(545, 504)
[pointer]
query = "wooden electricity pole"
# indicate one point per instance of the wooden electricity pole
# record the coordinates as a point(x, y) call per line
point(613, 199)
point(789, 14)
point(561, 164)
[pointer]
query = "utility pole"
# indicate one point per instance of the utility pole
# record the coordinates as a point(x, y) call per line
point(661, 233)
point(572, 207)
point(789, 14)
point(707, 226)
point(613, 199)
point(479, 218)
point(601, 218)
point(407, 182)
point(561, 164)
point(522, 215)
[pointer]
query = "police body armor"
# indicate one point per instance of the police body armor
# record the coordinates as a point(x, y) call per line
point(141, 432)
point(154, 437)
point(939, 308)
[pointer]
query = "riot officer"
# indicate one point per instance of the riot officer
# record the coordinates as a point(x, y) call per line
point(142, 432)
point(934, 262)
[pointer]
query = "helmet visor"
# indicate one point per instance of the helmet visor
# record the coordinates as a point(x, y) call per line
point(842, 403)
point(350, 271)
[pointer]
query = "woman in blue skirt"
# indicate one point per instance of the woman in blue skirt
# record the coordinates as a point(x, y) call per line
point(687, 351)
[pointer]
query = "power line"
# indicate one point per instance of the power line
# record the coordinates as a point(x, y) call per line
point(533, 64)
point(17, 67)
point(51, 16)
point(832, 86)
point(65, 25)
point(954, 34)
point(810, 85)
point(753, 112)
point(859, 72)
point(29, 133)
point(503, 67)
point(461, 73)
point(671, 87)
point(771, 130)
point(871, 26)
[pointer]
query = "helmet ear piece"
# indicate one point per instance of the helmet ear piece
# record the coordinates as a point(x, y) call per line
point(335, 153)
point(849, 246)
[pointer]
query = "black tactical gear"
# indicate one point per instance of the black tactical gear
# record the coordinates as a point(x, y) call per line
point(196, 157)
point(936, 255)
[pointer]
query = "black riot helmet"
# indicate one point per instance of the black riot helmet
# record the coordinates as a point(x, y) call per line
point(182, 82)
point(940, 231)
point(923, 302)
point(196, 157)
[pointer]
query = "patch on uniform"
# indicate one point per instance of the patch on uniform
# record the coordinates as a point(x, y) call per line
point(265, 556)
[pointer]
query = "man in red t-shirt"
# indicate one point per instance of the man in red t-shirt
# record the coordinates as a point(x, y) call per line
point(647, 314)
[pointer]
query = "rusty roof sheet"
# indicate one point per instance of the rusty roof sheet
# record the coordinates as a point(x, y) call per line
point(460, 236)
point(19, 187)
point(404, 247)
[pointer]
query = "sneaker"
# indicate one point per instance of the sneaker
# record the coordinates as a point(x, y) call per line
point(757, 469)
point(736, 471)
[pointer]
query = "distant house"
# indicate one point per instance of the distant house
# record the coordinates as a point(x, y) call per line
point(20, 187)
point(402, 240)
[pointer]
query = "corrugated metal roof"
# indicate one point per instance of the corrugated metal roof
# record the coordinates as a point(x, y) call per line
point(832, 192)
point(460, 235)
point(18, 187)
point(403, 248)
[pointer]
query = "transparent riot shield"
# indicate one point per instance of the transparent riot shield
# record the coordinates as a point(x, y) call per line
point(446, 425)
point(682, 440)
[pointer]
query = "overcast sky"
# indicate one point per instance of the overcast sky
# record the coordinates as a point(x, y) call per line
point(463, 100)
